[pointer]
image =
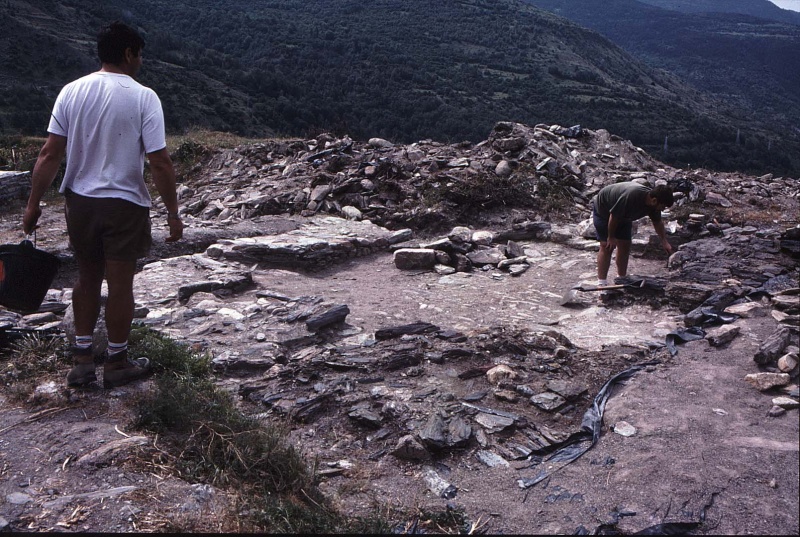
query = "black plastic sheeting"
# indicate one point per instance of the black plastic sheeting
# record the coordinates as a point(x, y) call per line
point(665, 528)
point(709, 316)
point(641, 282)
point(570, 132)
point(682, 335)
point(668, 528)
point(706, 316)
point(775, 285)
point(692, 191)
point(582, 441)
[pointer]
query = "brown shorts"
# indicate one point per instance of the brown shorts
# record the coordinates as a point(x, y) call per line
point(107, 228)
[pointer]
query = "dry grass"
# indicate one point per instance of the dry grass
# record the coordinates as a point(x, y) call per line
point(207, 138)
point(29, 361)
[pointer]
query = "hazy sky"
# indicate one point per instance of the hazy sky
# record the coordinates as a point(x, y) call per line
point(794, 5)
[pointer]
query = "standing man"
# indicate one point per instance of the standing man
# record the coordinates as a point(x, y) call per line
point(105, 123)
point(614, 209)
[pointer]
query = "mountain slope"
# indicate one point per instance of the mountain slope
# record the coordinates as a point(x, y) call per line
point(747, 62)
point(403, 70)
point(763, 9)
point(732, 56)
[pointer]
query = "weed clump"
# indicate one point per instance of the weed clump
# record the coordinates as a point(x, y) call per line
point(211, 441)
point(167, 355)
point(30, 357)
point(34, 354)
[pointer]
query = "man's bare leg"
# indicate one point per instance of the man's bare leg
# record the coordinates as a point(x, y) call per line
point(603, 261)
point(86, 308)
point(119, 308)
point(86, 295)
point(119, 369)
point(623, 254)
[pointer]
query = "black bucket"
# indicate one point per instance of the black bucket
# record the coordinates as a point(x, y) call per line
point(25, 275)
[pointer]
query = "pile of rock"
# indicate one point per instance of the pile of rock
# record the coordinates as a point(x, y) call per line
point(746, 261)
point(778, 358)
point(419, 184)
point(462, 249)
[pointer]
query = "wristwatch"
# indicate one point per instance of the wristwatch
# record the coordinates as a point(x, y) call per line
point(173, 216)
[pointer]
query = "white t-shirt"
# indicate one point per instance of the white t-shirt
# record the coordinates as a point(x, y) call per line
point(110, 122)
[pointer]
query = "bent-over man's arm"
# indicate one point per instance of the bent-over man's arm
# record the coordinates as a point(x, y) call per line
point(44, 172)
point(164, 179)
point(662, 234)
point(613, 224)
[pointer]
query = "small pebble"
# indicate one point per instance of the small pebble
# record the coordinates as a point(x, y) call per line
point(776, 411)
point(624, 428)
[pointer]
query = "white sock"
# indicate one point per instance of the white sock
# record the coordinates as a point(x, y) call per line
point(83, 342)
point(602, 283)
point(115, 348)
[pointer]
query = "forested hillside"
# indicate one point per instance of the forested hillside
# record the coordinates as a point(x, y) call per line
point(402, 70)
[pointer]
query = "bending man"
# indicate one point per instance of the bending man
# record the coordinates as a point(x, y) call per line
point(614, 209)
point(105, 123)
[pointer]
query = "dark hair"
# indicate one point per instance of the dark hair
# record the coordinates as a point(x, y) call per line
point(114, 39)
point(663, 194)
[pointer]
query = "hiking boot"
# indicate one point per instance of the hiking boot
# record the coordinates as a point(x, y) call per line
point(119, 369)
point(82, 372)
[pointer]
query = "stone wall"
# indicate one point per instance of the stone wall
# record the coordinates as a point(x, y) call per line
point(14, 186)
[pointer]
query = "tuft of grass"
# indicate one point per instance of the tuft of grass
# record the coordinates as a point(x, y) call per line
point(450, 520)
point(290, 516)
point(31, 359)
point(167, 355)
point(218, 444)
point(34, 355)
point(478, 192)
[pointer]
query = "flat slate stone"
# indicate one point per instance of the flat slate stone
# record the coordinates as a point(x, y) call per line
point(492, 423)
point(409, 448)
point(492, 460)
point(18, 498)
point(548, 401)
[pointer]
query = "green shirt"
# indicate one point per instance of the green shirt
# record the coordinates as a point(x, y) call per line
point(626, 201)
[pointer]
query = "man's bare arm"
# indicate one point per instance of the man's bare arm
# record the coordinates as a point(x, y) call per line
point(44, 172)
point(164, 179)
point(662, 234)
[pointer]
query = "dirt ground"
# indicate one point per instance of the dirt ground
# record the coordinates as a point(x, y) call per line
point(705, 447)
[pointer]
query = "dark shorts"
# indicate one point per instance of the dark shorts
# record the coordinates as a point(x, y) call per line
point(107, 228)
point(624, 229)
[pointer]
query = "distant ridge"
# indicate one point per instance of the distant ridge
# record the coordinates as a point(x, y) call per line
point(756, 8)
